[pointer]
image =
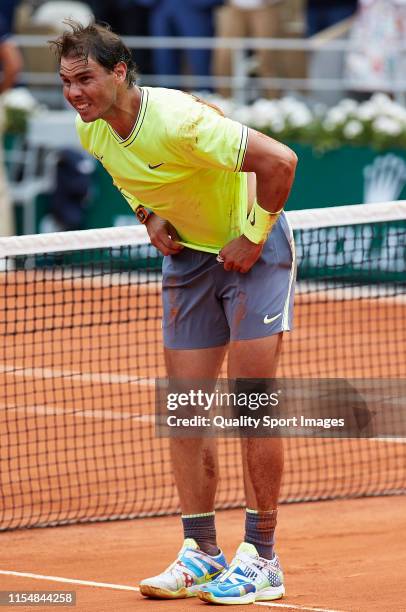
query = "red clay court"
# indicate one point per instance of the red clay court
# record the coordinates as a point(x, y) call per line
point(81, 349)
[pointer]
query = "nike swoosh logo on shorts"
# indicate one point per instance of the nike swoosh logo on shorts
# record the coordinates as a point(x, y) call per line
point(153, 167)
point(268, 319)
point(252, 221)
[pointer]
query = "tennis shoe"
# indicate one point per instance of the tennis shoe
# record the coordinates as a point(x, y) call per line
point(249, 578)
point(192, 569)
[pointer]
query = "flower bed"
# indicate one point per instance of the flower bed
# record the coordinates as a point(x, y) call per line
point(379, 122)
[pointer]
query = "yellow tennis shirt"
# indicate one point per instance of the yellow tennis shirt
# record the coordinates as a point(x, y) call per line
point(182, 160)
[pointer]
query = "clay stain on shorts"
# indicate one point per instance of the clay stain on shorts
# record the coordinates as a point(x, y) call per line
point(172, 299)
point(240, 311)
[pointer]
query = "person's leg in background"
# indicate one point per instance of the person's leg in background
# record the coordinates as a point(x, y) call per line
point(314, 19)
point(8, 8)
point(105, 11)
point(335, 14)
point(321, 15)
point(230, 23)
point(265, 22)
point(197, 22)
point(164, 61)
point(135, 21)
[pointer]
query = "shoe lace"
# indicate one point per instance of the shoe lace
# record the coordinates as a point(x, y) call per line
point(241, 557)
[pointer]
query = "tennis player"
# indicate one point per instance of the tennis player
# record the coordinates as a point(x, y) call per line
point(210, 192)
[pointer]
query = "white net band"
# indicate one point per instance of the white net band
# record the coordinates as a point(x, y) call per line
point(134, 235)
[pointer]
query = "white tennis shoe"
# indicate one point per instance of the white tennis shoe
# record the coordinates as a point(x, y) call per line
point(192, 569)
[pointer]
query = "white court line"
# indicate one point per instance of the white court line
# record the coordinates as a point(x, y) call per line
point(270, 604)
point(389, 439)
point(330, 291)
point(104, 585)
point(39, 409)
point(92, 377)
point(122, 587)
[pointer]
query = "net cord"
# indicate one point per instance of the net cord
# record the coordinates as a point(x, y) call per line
point(136, 235)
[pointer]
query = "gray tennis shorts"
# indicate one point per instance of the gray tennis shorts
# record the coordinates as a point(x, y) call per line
point(205, 306)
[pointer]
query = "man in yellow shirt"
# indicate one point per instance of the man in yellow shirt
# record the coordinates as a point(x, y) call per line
point(210, 192)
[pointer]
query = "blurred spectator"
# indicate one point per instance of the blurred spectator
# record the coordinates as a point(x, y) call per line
point(127, 18)
point(70, 197)
point(378, 29)
point(249, 18)
point(7, 10)
point(182, 18)
point(322, 14)
point(10, 66)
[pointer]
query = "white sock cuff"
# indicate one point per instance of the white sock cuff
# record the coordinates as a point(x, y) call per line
point(187, 516)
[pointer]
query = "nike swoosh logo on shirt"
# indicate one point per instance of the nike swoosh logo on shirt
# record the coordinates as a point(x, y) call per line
point(268, 319)
point(152, 167)
point(252, 221)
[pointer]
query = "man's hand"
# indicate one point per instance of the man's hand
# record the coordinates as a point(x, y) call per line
point(163, 235)
point(240, 254)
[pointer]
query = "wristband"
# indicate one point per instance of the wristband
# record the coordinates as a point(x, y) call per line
point(259, 223)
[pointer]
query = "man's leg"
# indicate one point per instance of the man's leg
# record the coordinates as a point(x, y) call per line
point(255, 573)
point(194, 461)
point(262, 457)
point(194, 464)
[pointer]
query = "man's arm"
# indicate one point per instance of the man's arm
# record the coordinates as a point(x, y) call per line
point(274, 165)
point(11, 64)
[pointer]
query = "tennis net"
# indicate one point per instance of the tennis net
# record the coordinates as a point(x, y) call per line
point(81, 348)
